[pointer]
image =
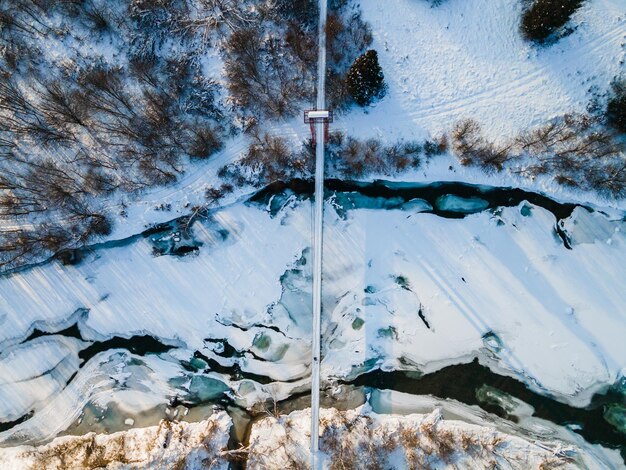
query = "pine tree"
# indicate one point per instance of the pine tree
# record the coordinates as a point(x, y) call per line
point(616, 106)
point(545, 17)
point(365, 80)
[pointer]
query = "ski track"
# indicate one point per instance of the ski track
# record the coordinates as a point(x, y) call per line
point(517, 87)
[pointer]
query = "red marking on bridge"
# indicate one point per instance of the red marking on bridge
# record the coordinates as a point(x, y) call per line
point(313, 116)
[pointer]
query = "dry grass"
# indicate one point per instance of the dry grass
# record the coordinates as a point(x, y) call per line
point(469, 443)
point(353, 441)
point(409, 437)
point(92, 451)
point(446, 444)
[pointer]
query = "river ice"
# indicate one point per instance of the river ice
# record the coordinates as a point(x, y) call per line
point(403, 289)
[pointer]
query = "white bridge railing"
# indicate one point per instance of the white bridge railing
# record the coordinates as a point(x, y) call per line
point(319, 136)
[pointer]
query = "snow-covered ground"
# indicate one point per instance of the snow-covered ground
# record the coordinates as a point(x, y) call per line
point(169, 445)
point(500, 282)
point(361, 438)
point(32, 372)
point(468, 60)
point(455, 61)
point(392, 428)
point(430, 433)
point(115, 377)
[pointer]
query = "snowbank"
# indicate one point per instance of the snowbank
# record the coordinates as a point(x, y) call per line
point(34, 372)
point(413, 288)
point(403, 289)
point(134, 384)
point(363, 439)
point(129, 291)
point(169, 445)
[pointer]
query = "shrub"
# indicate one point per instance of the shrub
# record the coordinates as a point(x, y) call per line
point(436, 146)
point(337, 94)
point(301, 44)
point(347, 38)
point(304, 11)
point(616, 107)
point(97, 18)
point(579, 152)
point(365, 80)
point(98, 225)
point(545, 17)
point(262, 77)
point(204, 143)
point(472, 149)
point(465, 139)
point(354, 158)
point(270, 159)
point(213, 195)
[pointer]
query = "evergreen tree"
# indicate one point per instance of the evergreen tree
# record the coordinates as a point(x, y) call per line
point(545, 17)
point(365, 80)
point(616, 107)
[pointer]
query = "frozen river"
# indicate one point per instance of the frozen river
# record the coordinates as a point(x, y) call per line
point(417, 278)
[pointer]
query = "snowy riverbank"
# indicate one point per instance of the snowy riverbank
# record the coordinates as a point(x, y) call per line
point(169, 445)
point(444, 434)
point(361, 438)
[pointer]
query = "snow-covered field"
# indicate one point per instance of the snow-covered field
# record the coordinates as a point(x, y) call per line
point(468, 60)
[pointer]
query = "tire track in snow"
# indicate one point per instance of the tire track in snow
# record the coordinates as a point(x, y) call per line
point(517, 85)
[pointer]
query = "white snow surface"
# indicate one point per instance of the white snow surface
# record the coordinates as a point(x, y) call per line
point(468, 60)
point(362, 439)
point(116, 376)
point(32, 373)
point(558, 314)
point(129, 291)
point(455, 61)
point(169, 445)
point(499, 286)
